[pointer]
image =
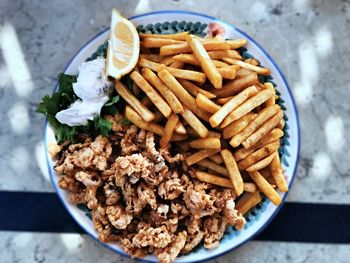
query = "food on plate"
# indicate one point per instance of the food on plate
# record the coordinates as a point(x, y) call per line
point(206, 143)
point(233, 172)
point(247, 201)
point(265, 187)
point(262, 117)
point(168, 141)
point(169, 129)
point(206, 104)
point(205, 61)
point(234, 103)
point(209, 45)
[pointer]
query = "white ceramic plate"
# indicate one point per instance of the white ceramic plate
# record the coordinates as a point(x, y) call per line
point(260, 217)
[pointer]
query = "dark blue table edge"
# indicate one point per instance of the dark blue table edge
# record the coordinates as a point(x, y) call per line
point(296, 222)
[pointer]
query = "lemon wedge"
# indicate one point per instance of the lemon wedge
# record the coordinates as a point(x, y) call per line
point(124, 46)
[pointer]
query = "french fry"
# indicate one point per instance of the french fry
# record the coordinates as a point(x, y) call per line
point(281, 124)
point(205, 61)
point(158, 42)
point(182, 48)
point(277, 174)
point(227, 72)
point(180, 128)
point(261, 118)
point(242, 72)
point(260, 86)
point(152, 57)
point(211, 134)
point(181, 93)
point(177, 36)
point(174, 49)
point(167, 60)
point(206, 104)
point(233, 54)
point(178, 73)
point(145, 113)
point(187, 58)
point(249, 187)
point(143, 62)
point(273, 135)
point(216, 158)
point(234, 86)
point(192, 60)
point(194, 89)
point(224, 182)
point(151, 93)
point(247, 106)
point(200, 155)
point(206, 143)
point(136, 119)
point(194, 122)
point(257, 69)
point(247, 201)
point(177, 64)
point(270, 137)
point(213, 166)
point(153, 127)
point(271, 101)
point(169, 96)
point(185, 74)
point(213, 179)
point(220, 64)
point(238, 125)
point(261, 164)
point(258, 155)
point(265, 187)
point(252, 61)
point(236, 43)
point(218, 54)
point(232, 104)
point(222, 101)
point(168, 130)
point(233, 171)
point(263, 130)
point(183, 146)
point(236, 67)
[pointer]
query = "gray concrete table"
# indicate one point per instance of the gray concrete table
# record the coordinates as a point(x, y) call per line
point(308, 39)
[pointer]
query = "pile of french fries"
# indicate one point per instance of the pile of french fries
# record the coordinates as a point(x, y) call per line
point(203, 96)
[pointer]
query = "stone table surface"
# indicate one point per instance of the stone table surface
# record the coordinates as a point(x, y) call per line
point(308, 39)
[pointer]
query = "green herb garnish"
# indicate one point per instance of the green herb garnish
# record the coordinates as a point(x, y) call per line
point(62, 99)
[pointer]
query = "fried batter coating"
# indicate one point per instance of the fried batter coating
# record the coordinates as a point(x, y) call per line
point(142, 196)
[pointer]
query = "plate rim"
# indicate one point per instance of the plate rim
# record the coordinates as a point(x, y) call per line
point(261, 49)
